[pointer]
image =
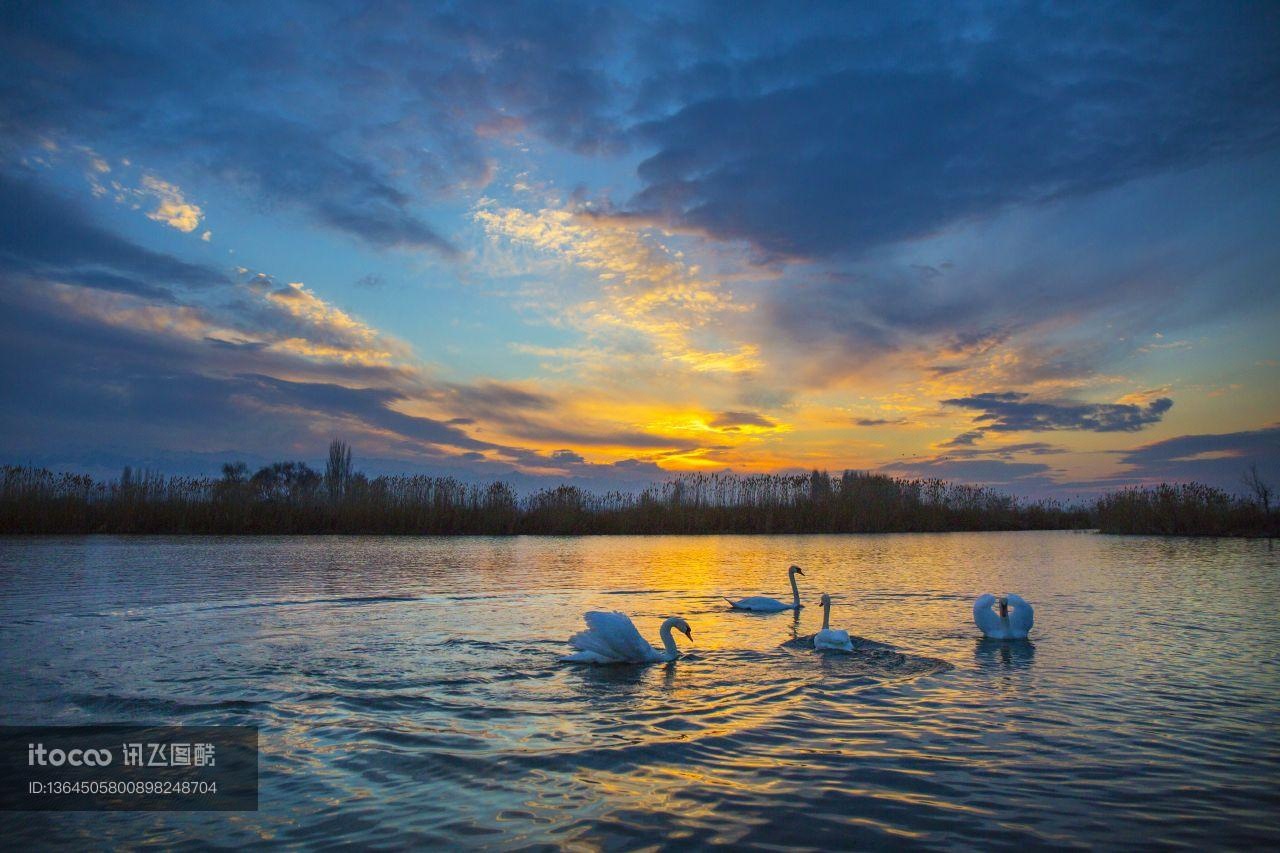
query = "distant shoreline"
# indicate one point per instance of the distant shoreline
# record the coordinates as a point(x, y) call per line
point(291, 499)
point(190, 535)
point(9, 535)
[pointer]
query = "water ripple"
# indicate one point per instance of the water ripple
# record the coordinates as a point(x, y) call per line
point(410, 693)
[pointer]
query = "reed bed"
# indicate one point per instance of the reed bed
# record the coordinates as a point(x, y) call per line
point(290, 497)
point(1184, 509)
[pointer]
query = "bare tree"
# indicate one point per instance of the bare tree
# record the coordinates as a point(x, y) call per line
point(1262, 491)
point(337, 472)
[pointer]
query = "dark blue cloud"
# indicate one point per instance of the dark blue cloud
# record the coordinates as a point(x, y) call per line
point(965, 450)
point(295, 163)
point(892, 126)
point(44, 234)
point(371, 406)
point(964, 439)
point(1022, 478)
point(737, 420)
point(73, 382)
point(1115, 265)
point(161, 81)
point(495, 397)
point(356, 114)
point(1012, 411)
point(1219, 459)
point(808, 135)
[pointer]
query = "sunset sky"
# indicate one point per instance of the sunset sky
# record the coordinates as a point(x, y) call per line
point(1035, 247)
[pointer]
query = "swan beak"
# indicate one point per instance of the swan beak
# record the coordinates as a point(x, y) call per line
point(689, 633)
point(799, 570)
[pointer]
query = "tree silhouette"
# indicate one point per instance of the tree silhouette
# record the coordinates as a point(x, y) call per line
point(337, 471)
point(1260, 489)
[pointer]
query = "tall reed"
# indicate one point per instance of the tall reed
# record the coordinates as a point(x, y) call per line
point(1184, 509)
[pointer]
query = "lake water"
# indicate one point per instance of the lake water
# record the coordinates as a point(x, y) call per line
point(410, 693)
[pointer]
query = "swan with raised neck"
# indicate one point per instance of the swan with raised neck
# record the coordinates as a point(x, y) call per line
point(764, 604)
point(828, 638)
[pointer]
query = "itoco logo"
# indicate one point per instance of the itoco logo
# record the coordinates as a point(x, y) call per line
point(37, 754)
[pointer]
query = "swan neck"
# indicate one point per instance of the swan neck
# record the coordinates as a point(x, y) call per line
point(795, 589)
point(826, 616)
point(668, 641)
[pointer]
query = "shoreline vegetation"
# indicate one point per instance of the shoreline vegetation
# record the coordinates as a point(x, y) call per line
point(293, 498)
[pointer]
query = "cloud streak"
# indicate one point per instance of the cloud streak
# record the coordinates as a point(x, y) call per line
point(1217, 458)
point(1012, 411)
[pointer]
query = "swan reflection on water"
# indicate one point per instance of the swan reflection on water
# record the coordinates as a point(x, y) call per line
point(794, 627)
point(627, 675)
point(1008, 654)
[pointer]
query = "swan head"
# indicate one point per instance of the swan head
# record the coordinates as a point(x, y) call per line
point(825, 600)
point(683, 627)
point(1003, 602)
point(796, 570)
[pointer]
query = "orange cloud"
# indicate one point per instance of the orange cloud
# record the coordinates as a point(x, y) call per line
point(172, 209)
point(645, 288)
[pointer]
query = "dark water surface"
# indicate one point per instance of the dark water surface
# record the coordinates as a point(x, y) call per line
point(409, 690)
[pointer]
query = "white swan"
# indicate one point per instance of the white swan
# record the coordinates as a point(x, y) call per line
point(1007, 624)
point(829, 638)
point(613, 638)
point(761, 604)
